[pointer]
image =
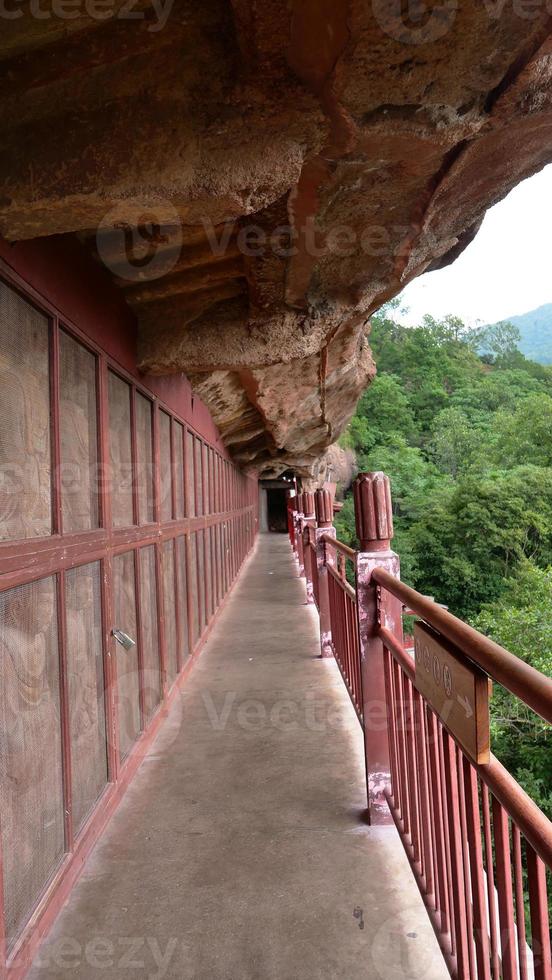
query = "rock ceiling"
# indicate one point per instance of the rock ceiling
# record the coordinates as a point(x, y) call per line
point(259, 177)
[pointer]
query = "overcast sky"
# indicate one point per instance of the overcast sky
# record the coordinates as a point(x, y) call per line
point(506, 269)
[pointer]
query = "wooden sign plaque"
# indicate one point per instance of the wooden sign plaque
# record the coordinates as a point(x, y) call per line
point(456, 689)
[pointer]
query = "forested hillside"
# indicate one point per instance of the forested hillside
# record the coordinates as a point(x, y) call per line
point(467, 443)
point(535, 330)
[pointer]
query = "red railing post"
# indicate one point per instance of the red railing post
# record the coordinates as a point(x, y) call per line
point(299, 533)
point(324, 557)
point(308, 551)
point(307, 524)
point(305, 516)
point(374, 526)
point(291, 508)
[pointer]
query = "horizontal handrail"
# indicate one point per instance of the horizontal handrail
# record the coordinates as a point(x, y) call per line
point(533, 823)
point(343, 583)
point(401, 656)
point(527, 683)
point(339, 546)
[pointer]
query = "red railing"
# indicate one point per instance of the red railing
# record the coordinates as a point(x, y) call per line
point(311, 565)
point(479, 847)
point(344, 619)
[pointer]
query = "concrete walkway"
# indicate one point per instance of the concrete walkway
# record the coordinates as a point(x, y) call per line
point(238, 852)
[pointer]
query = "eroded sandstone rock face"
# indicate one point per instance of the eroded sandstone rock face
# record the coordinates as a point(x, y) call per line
point(260, 177)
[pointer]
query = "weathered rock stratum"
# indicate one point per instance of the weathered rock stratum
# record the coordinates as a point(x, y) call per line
point(258, 178)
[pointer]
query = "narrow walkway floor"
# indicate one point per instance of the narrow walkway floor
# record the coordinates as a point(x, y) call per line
point(238, 853)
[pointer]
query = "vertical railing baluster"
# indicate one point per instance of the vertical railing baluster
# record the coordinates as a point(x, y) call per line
point(394, 781)
point(538, 905)
point(477, 872)
point(445, 806)
point(504, 890)
point(438, 823)
point(424, 793)
point(405, 801)
point(519, 902)
point(456, 858)
point(465, 862)
point(411, 765)
point(489, 863)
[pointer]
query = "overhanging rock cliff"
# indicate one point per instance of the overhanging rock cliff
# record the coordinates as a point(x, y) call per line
point(258, 178)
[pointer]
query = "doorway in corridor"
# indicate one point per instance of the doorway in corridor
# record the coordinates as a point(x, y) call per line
point(277, 510)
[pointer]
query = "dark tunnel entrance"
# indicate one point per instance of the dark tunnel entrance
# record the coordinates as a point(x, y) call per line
point(277, 510)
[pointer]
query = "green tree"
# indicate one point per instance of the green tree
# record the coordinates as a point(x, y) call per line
point(454, 441)
point(383, 410)
point(499, 341)
point(471, 537)
point(521, 621)
point(526, 433)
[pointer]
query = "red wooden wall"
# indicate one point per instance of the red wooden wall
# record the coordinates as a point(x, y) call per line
point(119, 510)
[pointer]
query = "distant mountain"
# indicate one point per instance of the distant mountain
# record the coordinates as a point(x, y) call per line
point(535, 328)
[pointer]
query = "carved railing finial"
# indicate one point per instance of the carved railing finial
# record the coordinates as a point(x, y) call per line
point(373, 511)
point(324, 508)
point(308, 504)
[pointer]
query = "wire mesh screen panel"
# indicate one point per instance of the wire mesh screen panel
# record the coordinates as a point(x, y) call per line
point(31, 783)
point(207, 479)
point(192, 585)
point(182, 600)
point(214, 567)
point(165, 469)
point(171, 639)
point(25, 460)
point(198, 478)
point(208, 572)
point(144, 459)
point(224, 530)
point(178, 437)
point(78, 436)
point(126, 661)
point(214, 496)
point(221, 560)
point(151, 677)
point(120, 450)
point(85, 680)
point(190, 469)
point(201, 580)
